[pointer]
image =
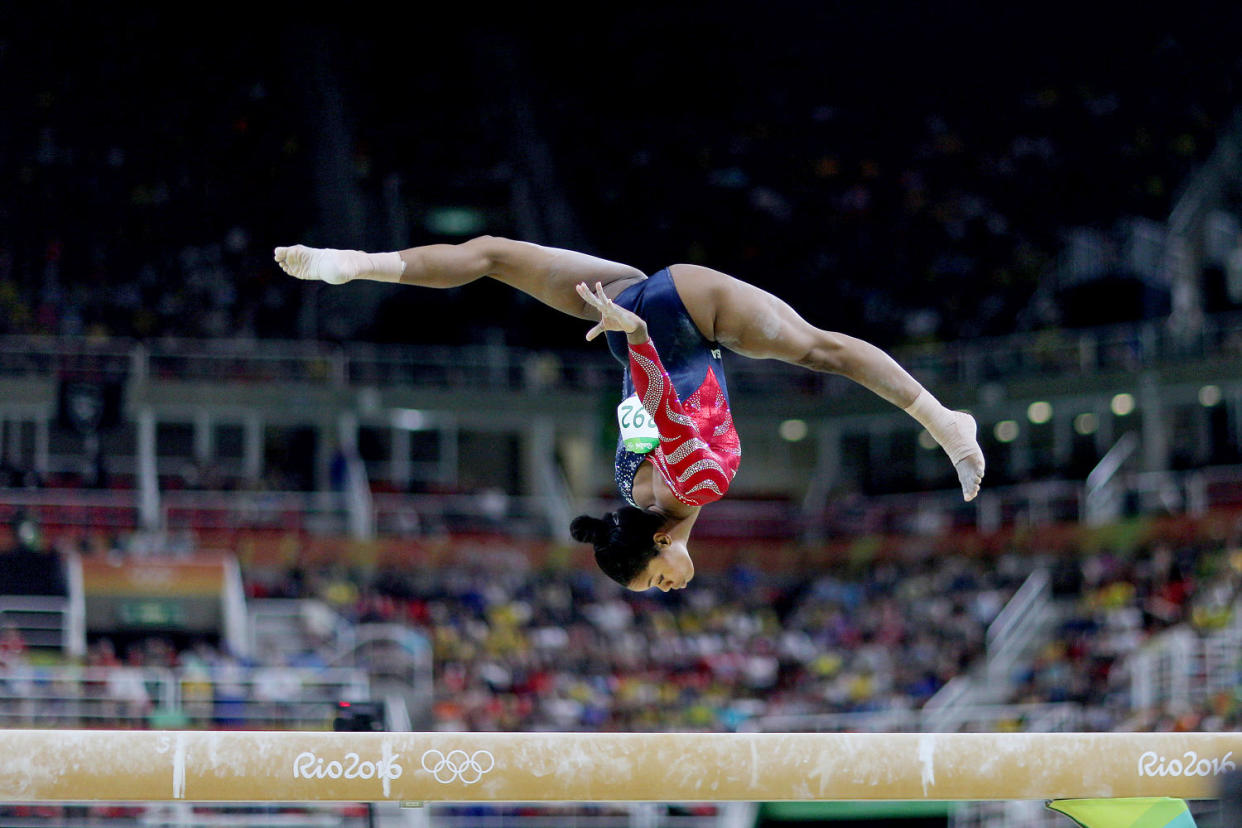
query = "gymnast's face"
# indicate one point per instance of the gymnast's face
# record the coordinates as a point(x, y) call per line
point(671, 568)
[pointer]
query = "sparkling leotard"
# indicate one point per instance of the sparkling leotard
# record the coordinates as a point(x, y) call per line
point(679, 378)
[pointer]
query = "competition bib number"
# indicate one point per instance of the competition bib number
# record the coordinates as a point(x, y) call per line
point(638, 428)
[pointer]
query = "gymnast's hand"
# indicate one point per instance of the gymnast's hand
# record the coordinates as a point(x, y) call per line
point(612, 317)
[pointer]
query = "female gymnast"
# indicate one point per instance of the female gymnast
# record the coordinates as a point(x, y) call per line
point(678, 449)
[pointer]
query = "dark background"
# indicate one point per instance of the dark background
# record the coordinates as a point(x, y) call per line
point(901, 171)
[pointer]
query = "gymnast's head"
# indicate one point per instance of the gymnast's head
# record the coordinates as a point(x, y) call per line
point(634, 548)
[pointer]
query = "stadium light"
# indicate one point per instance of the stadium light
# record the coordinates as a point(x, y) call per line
point(1086, 423)
point(793, 430)
point(410, 419)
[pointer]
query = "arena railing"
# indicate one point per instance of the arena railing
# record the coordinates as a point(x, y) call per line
point(1033, 717)
point(1182, 668)
point(1031, 504)
point(580, 816)
point(1056, 352)
point(319, 513)
point(42, 621)
point(230, 695)
point(102, 510)
point(386, 814)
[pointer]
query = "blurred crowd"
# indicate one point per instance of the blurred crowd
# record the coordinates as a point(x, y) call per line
point(144, 202)
point(515, 648)
point(1118, 604)
point(524, 650)
point(934, 220)
point(533, 652)
point(138, 208)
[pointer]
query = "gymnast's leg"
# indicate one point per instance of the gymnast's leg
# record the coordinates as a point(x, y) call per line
point(549, 274)
point(756, 324)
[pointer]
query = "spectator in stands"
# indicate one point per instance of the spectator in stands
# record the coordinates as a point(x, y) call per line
point(12, 647)
point(196, 693)
point(129, 702)
point(230, 693)
point(15, 477)
point(16, 679)
point(277, 689)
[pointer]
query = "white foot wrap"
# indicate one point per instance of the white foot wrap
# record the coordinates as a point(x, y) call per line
point(336, 267)
point(955, 431)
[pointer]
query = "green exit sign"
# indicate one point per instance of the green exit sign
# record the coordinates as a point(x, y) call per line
point(454, 221)
point(150, 614)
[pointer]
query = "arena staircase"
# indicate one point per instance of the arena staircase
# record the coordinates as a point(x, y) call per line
point(295, 628)
point(1023, 625)
point(396, 659)
point(398, 663)
point(50, 622)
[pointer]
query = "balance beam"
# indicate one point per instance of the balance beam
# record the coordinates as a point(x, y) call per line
point(248, 766)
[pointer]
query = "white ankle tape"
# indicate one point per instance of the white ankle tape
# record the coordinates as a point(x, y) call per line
point(383, 267)
point(944, 425)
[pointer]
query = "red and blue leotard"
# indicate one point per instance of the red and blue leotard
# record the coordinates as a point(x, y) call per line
point(679, 378)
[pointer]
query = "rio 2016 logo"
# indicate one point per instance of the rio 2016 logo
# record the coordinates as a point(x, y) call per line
point(309, 766)
point(1188, 764)
point(455, 766)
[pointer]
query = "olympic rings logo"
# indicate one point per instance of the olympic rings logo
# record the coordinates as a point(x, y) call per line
point(458, 765)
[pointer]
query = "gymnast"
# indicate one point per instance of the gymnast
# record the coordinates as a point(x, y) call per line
point(678, 449)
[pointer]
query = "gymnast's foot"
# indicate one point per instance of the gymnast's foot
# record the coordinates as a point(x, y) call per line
point(960, 443)
point(336, 267)
point(955, 432)
point(319, 264)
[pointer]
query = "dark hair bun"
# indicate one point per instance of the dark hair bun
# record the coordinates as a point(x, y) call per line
point(587, 529)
